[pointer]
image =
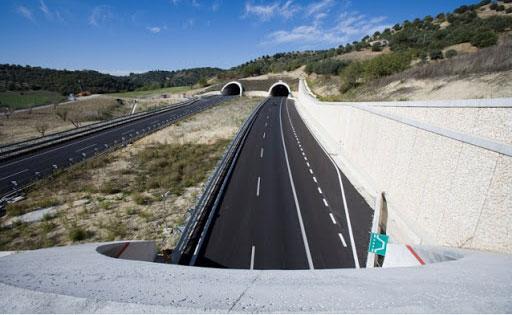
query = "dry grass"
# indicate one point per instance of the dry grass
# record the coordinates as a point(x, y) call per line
point(24, 125)
point(119, 196)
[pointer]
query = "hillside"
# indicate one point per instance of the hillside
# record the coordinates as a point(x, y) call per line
point(337, 73)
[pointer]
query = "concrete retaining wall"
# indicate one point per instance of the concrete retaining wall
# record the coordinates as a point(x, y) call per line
point(446, 166)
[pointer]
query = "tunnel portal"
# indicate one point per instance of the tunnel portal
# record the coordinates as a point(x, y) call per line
point(279, 89)
point(232, 88)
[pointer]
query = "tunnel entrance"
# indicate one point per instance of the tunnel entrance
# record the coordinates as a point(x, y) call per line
point(232, 88)
point(279, 89)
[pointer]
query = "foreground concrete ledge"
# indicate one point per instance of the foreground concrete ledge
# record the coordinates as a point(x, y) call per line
point(79, 279)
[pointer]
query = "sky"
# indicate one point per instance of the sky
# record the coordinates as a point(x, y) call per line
point(123, 36)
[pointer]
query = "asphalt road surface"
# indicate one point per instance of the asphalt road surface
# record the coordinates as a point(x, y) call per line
point(286, 206)
point(27, 168)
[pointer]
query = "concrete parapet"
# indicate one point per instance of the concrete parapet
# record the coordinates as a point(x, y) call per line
point(445, 166)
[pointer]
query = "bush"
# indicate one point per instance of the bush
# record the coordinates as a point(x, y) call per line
point(450, 53)
point(141, 199)
point(436, 54)
point(77, 234)
point(329, 66)
point(484, 2)
point(500, 8)
point(484, 39)
point(493, 6)
point(376, 47)
point(508, 10)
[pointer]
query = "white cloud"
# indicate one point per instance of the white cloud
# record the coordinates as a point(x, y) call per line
point(265, 12)
point(216, 5)
point(319, 9)
point(348, 27)
point(100, 15)
point(25, 12)
point(154, 29)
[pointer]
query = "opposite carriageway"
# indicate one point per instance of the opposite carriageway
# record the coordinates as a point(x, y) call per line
point(22, 170)
point(285, 204)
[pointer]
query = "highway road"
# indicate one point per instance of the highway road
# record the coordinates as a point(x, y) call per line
point(22, 170)
point(286, 205)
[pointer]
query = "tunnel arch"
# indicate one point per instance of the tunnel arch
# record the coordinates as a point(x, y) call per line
point(279, 88)
point(232, 88)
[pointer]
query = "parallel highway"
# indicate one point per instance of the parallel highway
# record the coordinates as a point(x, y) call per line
point(286, 205)
point(24, 169)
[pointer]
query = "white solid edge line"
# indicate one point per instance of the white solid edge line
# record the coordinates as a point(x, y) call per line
point(332, 218)
point(347, 215)
point(342, 240)
point(14, 174)
point(299, 214)
point(258, 187)
point(252, 257)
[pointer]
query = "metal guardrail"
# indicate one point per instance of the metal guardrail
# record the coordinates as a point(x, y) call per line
point(50, 171)
point(213, 189)
point(17, 148)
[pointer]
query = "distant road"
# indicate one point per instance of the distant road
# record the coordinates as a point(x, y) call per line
point(26, 168)
point(287, 205)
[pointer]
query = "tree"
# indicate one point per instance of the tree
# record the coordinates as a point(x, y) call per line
point(436, 54)
point(484, 39)
point(41, 127)
point(62, 113)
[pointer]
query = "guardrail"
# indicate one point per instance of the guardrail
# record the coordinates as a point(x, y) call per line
point(13, 149)
point(51, 171)
point(193, 234)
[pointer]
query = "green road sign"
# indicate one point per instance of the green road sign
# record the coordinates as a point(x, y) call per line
point(378, 244)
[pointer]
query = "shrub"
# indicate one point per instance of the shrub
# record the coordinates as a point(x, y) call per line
point(484, 39)
point(508, 10)
point(141, 199)
point(493, 6)
point(436, 54)
point(450, 53)
point(501, 7)
point(484, 2)
point(77, 234)
point(376, 47)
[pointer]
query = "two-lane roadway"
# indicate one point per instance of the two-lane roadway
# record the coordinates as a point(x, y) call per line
point(286, 205)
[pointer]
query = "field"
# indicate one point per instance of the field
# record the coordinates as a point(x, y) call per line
point(147, 93)
point(27, 99)
point(120, 195)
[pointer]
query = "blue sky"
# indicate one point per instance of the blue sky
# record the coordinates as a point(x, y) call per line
point(122, 36)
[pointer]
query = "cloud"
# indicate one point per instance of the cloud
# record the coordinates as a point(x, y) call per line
point(265, 12)
point(348, 27)
point(154, 29)
point(194, 3)
point(189, 23)
point(100, 15)
point(319, 9)
point(216, 5)
point(25, 12)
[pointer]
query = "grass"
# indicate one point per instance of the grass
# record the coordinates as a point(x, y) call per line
point(27, 99)
point(174, 167)
point(24, 206)
point(143, 93)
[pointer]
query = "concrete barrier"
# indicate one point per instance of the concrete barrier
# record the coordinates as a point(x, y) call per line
point(445, 166)
point(131, 250)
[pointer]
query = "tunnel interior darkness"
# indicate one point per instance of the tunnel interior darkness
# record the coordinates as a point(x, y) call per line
point(231, 89)
point(279, 90)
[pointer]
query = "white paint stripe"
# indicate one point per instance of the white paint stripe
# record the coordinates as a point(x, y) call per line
point(332, 218)
point(314, 179)
point(319, 190)
point(264, 134)
point(342, 240)
point(305, 158)
point(25, 170)
point(325, 203)
point(347, 215)
point(261, 153)
point(307, 163)
point(299, 214)
point(252, 257)
point(258, 187)
point(85, 148)
point(311, 171)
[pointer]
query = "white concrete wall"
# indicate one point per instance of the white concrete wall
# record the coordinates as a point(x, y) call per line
point(446, 167)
